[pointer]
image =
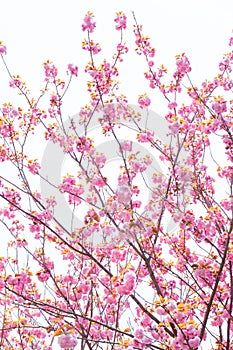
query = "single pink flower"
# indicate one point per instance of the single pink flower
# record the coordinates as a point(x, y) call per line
point(219, 107)
point(2, 48)
point(73, 69)
point(67, 341)
point(124, 194)
point(127, 146)
point(194, 342)
point(144, 101)
point(88, 22)
point(120, 21)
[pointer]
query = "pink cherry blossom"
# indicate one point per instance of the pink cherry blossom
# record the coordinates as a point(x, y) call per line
point(126, 146)
point(50, 70)
point(2, 48)
point(67, 341)
point(120, 21)
point(128, 284)
point(73, 69)
point(124, 194)
point(144, 101)
point(100, 160)
point(219, 107)
point(88, 22)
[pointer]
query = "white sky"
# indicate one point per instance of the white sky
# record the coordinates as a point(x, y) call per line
point(35, 31)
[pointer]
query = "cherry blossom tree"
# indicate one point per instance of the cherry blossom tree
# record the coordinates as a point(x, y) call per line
point(121, 278)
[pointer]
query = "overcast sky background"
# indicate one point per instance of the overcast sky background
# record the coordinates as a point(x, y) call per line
point(35, 31)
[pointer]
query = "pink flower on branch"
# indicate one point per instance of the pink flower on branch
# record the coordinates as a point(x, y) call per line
point(122, 48)
point(67, 341)
point(88, 22)
point(127, 146)
point(73, 69)
point(43, 276)
point(120, 20)
point(90, 46)
point(99, 160)
point(124, 194)
point(183, 66)
point(144, 101)
point(143, 43)
point(219, 107)
point(128, 285)
point(50, 70)
point(2, 48)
